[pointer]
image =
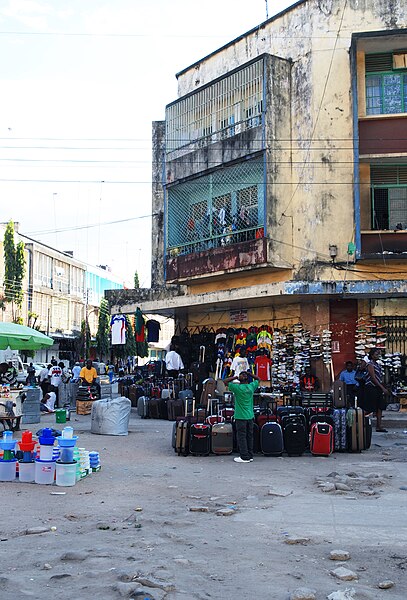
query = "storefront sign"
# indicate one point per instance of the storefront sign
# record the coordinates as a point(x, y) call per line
point(238, 316)
point(335, 347)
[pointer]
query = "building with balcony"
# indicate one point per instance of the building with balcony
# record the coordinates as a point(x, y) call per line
point(280, 178)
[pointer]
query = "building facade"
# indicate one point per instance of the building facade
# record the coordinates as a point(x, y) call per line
point(284, 194)
point(59, 293)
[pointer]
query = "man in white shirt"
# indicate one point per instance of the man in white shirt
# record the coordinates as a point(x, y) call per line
point(55, 375)
point(173, 363)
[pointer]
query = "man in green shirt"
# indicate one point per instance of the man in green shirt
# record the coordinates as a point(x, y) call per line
point(244, 415)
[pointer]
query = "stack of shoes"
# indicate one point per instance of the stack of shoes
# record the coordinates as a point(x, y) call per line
point(360, 338)
point(380, 338)
point(326, 346)
point(315, 347)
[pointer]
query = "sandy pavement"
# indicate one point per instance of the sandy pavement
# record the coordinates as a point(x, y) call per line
point(129, 532)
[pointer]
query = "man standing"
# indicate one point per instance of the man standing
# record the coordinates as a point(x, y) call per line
point(55, 375)
point(244, 413)
point(89, 375)
point(173, 362)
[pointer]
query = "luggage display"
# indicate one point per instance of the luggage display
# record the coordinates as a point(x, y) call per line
point(271, 439)
point(339, 394)
point(294, 434)
point(222, 438)
point(321, 439)
point(200, 439)
point(142, 407)
point(340, 436)
point(355, 420)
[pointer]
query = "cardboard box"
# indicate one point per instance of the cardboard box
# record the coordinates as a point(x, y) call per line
point(84, 407)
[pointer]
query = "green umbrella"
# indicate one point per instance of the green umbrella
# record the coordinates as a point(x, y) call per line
point(18, 337)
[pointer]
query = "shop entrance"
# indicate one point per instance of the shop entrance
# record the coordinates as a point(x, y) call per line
point(343, 315)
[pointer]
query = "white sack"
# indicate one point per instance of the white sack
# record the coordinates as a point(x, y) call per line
point(110, 417)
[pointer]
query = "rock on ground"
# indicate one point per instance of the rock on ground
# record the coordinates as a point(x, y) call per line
point(339, 555)
point(344, 574)
point(303, 594)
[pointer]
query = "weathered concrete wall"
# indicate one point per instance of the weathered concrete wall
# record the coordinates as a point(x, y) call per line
point(157, 233)
point(315, 187)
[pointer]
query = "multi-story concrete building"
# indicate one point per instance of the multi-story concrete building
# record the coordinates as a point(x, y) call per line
point(284, 192)
point(59, 293)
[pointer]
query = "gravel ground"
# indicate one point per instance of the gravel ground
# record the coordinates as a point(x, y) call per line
point(154, 525)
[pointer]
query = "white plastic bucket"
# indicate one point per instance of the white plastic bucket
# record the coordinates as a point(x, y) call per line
point(44, 471)
point(8, 470)
point(26, 471)
point(46, 452)
point(66, 474)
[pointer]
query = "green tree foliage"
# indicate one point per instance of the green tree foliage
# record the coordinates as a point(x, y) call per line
point(14, 271)
point(103, 332)
point(85, 339)
point(136, 281)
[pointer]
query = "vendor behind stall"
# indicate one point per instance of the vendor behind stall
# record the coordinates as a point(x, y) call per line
point(308, 382)
point(89, 375)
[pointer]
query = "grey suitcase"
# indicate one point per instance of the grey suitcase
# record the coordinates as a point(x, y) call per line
point(142, 407)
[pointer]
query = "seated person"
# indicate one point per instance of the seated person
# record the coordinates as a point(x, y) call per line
point(348, 377)
point(48, 402)
point(308, 381)
point(88, 376)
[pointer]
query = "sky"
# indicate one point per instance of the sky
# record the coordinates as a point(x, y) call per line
point(82, 81)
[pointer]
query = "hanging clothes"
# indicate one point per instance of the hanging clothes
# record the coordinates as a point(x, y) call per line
point(153, 330)
point(118, 329)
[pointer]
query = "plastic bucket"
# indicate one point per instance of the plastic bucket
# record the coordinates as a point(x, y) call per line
point(66, 454)
point(66, 474)
point(46, 452)
point(44, 471)
point(8, 470)
point(26, 471)
point(60, 415)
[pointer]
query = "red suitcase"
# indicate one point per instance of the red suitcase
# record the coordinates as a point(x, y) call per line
point(321, 439)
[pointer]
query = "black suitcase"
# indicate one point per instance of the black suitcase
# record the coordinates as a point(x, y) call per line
point(294, 434)
point(271, 439)
point(283, 411)
point(154, 408)
point(163, 408)
point(200, 439)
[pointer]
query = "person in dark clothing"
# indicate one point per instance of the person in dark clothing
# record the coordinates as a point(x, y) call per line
point(375, 392)
point(308, 382)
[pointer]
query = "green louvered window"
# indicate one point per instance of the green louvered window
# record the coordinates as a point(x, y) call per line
point(386, 83)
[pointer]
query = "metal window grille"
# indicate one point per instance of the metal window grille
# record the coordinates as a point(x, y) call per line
point(396, 332)
point(225, 207)
point(223, 109)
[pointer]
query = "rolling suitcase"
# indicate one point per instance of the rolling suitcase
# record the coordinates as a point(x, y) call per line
point(222, 433)
point(200, 439)
point(182, 431)
point(142, 407)
point(163, 408)
point(355, 420)
point(271, 439)
point(175, 409)
point(340, 440)
point(154, 408)
point(208, 392)
point(294, 434)
point(321, 439)
point(339, 394)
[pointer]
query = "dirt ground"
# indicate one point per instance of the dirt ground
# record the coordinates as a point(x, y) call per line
point(129, 531)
